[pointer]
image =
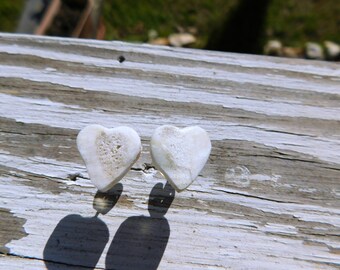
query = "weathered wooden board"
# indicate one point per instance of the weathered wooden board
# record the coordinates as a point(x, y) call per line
point(267, 199)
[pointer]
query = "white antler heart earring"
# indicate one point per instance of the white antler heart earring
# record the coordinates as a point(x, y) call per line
point(180, 154)
point(108, 153)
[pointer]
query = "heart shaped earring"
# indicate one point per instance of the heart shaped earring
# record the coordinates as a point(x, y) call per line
point(108, 153)
point(180, 154)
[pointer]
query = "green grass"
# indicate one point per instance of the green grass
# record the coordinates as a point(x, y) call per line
point(10, 11)
point(296, 21)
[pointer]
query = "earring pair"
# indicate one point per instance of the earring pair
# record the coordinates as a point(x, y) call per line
point(179, 154)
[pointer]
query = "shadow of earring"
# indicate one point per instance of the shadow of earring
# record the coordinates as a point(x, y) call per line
point(76, 242)
point(103, 202)
point(140, 241)
point(160, 199)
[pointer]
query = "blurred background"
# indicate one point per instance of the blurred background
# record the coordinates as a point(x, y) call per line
point(288, 28)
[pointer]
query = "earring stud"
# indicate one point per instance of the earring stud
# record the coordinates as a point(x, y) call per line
point(108, 153)
point(180, 154)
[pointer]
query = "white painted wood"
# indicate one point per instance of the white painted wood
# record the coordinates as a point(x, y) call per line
point(268, 197)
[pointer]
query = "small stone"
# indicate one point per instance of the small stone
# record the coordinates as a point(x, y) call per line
point(181, 39)
point(292, 52)
point(332, 50)
point(160, 41)
point(108, 153)
point(180, 154)
point(152, 34)
point(273, 47)
point(314, 51)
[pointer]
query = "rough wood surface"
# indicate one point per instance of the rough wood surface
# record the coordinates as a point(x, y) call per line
point(267, 199)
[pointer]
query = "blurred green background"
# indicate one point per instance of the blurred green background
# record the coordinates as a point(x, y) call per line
point(292, 21)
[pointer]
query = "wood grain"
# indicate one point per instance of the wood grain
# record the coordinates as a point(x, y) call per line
point(267, 199)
